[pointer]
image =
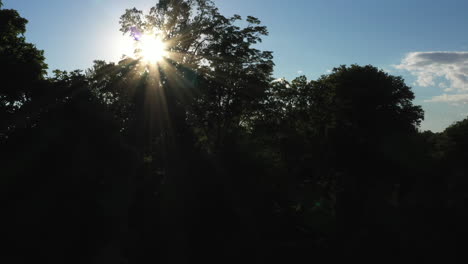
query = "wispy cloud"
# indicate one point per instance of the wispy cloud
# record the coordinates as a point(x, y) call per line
point(428, 67)
point(449, 98)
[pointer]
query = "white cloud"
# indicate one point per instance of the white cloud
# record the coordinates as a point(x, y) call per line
point(449, 98)
point(429, 66)
point(300, 72)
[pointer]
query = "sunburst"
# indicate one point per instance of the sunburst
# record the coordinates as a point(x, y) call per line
point(152, 49)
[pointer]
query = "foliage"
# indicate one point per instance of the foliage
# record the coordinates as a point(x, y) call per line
point(139, 162)
point(22, 68)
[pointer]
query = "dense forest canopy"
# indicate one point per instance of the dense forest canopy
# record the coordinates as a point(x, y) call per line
point(203, 155)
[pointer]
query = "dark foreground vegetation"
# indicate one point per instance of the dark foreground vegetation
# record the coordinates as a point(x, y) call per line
point(207, 158)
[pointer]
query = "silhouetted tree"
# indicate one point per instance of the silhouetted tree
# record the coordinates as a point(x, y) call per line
point(204, 156)
point(176, 114)
point(22, 69)
point(454, 141)
point(373, 119)
point(343, 137)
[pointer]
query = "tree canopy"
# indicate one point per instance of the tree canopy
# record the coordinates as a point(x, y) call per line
point(22, 68)
point(203, 155)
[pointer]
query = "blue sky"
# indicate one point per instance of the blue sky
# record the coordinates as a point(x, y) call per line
point(423, 41)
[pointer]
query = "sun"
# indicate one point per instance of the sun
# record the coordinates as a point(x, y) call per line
point(152, 48)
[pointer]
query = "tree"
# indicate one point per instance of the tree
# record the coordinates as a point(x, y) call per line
point(22, 69)
point(374, 120)
point(185, 113)
point(370, 100)
point(212, 67)
point(454, 144)
point(356, 110)
point(344, 140)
